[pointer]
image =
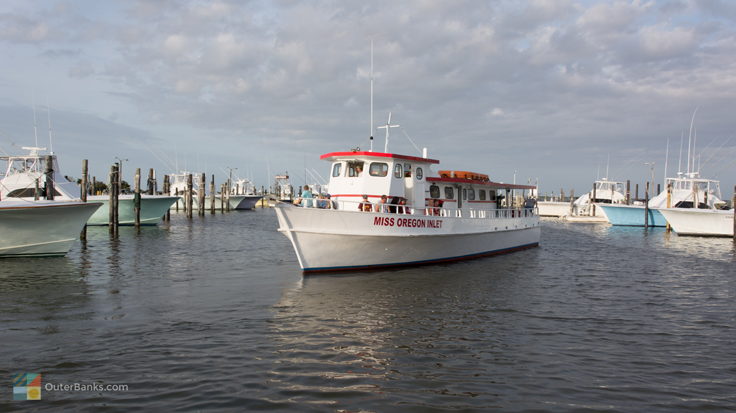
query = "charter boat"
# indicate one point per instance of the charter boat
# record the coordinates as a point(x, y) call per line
point(702, 222)
point(41, 228)
point(283, 189)
point(586, 205)
point(25, 172)
point(178, 188)
point(425, 217)
point(687, 191)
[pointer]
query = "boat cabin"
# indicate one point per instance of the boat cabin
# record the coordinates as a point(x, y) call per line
point(24, 171)
point(411, 178)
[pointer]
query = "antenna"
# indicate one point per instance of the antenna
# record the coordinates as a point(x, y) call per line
point(51, 141)
point(666, 159)
point(679, 162)
point(690, 136)
point(371, 133)
point(387, 126)
point(695, 139)
point(35, 127)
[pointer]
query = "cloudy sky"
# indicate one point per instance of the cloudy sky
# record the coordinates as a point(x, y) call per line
point(547, 89)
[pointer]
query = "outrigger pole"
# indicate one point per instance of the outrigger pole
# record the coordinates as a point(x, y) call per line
point(371, 133)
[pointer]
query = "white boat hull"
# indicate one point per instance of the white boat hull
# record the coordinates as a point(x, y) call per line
point(249, 201)
point(703, 222)
point(41, 228)
point(553, 209)
point(153, 208)
point(234, 201)
point(329, 240)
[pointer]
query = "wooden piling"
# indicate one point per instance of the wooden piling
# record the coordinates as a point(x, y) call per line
point(592, 202)
point(628, 192)
point(646, 206)
point(669, 203)
point(200, 195)
point(151, 185)
point(137, 198)
point(176, 193)
point(572, 201)
point(83, 195)
point(222, 198)
point(190, 198)
point(659, 189)
point(228, 185)
point(112, 204)
point(50, 178)
point(212, 194)
point(636, 194)
point(37, 193)
point(733, 207)
point(166, 191)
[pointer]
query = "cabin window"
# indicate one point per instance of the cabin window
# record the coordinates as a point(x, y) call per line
point(398, 171)
point(492, 195)
point(465, 194)
point(30, 193)
point(471, 194)
point(449, 193)
point(482, 194)
point(420, 173)
point(355, 169)
point(336, 169)
point(407, 170)
point(378, 169)
point(434, 190)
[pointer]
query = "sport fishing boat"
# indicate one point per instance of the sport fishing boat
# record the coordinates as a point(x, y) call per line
point(244, 187)
point(178, 189)
point(41, 228)
point(688, 191)
point(283, 189)
point(606, 192)
point(701, 222)
point(25, 172)
point(389, 210)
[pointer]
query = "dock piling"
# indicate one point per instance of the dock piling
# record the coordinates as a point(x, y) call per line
point(137, 198)
point(189, 197)
point(200, 195)
point(646, 206)
point(167, 215)
point(83, 195)
point(628, 192)
point(212, 194)
point(592, 202)
point(50, 178)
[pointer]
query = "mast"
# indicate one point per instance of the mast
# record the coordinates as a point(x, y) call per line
point(371, 131)
point(35, 126)
point(679, 162)
point(689, 139)
point(51, 141)
point(666, 159)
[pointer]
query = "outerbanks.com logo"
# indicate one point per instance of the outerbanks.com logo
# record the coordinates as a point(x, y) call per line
point(27, 386)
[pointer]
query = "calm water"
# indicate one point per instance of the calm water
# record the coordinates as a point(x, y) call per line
point(215, 316)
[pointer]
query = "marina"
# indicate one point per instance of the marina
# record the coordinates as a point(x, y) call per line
point(348, 207)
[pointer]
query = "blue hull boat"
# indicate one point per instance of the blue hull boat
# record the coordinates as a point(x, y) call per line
point(631, 215)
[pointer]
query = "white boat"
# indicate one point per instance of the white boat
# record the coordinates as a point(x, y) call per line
point(606, 192)
point(41, 228)
point(688, 191)
point(469, 224)
point(178, 187)
point(25, 171)
point(703, 222)
point(246, 188)
point(283, 189)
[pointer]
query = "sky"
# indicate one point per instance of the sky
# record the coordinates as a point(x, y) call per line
point(555, 92)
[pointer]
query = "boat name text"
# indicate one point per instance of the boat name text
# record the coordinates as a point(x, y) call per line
point(407, 222)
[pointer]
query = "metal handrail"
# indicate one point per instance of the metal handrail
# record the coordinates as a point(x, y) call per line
point(505, 213)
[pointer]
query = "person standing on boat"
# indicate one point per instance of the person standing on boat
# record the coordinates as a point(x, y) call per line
point(381, 206)
point(366, 205)
point(307, 197)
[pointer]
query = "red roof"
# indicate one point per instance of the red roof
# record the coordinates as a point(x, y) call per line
point(476, 182)
point(377, 155)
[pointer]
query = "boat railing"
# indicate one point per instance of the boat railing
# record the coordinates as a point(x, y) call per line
point(378, 208)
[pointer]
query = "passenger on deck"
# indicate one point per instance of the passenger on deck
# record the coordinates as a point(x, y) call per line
point(307, 197)
point(392, 205)
point(381, 206)
point(323, 202)
point(366, 205)
point(402, 208)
